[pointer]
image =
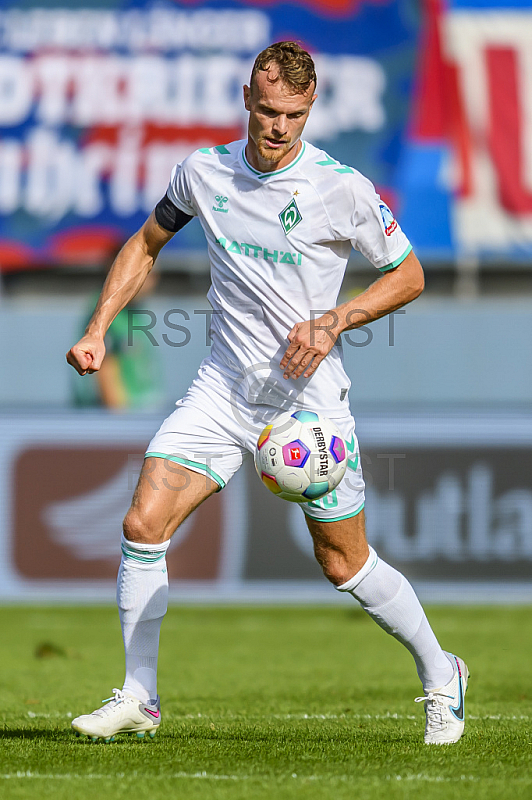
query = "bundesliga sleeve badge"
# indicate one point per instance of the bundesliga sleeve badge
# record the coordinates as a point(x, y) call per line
point(388, 219)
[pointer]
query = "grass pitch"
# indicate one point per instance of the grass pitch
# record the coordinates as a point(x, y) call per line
point(264, 703)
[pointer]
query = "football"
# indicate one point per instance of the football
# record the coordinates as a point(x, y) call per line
point(301, 456)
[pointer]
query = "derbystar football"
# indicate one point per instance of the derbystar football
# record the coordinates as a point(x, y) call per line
point(301, 456)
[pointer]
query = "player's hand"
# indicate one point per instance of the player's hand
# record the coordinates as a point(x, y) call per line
point(310, 342)
point(87, 355)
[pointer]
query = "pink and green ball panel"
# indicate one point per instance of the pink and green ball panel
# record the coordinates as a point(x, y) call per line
point(337, 449)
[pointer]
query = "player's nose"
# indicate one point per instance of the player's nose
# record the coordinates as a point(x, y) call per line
point(280, 125)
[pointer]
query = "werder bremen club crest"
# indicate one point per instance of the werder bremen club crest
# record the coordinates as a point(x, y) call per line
point(290, 216)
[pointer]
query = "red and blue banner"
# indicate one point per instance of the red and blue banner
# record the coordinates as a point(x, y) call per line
point(98, 103)
point(466, 171)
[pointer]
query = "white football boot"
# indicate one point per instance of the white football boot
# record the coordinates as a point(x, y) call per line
point(122, 714)
point(445, 707)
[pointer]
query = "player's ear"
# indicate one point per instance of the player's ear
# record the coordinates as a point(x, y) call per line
point(247, 96)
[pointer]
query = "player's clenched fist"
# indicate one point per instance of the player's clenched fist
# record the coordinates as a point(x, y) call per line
point(87, 355)
point(310, 342)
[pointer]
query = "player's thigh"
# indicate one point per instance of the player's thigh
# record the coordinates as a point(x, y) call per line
point(343, 542)
point(167, 492)
point(192, 455)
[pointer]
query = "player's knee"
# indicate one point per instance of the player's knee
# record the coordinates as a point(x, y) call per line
point(339, 568)
point(139, 528)
point(336, 569)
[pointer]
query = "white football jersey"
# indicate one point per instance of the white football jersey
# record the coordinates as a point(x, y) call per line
point(278, 247)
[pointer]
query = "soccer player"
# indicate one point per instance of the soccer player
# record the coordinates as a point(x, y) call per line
point(280, 218)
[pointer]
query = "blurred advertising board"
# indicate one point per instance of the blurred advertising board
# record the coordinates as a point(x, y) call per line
point(448, 502)
point(99, 101)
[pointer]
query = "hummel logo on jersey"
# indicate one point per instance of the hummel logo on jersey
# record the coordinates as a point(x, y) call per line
point(220, 200)
point(290, 216)
point(352, 464)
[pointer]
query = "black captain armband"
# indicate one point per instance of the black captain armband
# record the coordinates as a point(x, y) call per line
point(169, 216)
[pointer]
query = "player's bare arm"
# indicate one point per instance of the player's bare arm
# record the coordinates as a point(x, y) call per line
point(128, 273)
point(311, 340)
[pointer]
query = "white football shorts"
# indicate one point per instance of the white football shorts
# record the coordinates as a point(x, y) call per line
point(213, 430)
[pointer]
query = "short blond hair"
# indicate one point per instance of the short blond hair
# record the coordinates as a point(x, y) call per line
point(296, 67)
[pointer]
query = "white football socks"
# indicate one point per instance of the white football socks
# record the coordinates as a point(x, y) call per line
point(142, 597)
point(390, 600)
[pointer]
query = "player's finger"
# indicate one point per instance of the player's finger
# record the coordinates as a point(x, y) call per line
point(92, 369)
point(303, 364)
point(293, 331)
point(314, 366)
point(96, 363)
point(74, 360)
point(289, 354)
point(295, 361)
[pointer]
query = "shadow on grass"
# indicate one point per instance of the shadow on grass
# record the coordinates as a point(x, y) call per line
point(34, 733)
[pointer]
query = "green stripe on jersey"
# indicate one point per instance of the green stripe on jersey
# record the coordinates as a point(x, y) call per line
point(261, 175)
point(335, 519)
point(353, 464)
point(342, 169)
point(397, 261)
point(220, 148)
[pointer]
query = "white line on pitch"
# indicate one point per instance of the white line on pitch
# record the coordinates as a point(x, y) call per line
point(121, 775)
point(243, 718)
point(423, 777)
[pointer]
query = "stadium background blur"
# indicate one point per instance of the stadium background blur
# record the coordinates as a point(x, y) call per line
point(431, 101)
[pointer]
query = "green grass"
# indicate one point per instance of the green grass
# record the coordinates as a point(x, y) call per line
point(264, 703)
